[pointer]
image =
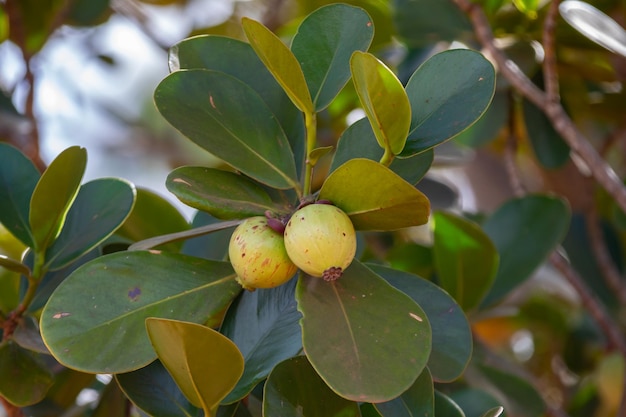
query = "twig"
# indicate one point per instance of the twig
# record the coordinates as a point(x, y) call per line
point(561, 122)
point(550, 74)
point(510, 150)
point(11, 410)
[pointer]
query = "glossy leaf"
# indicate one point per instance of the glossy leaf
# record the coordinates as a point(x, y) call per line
point(417, 401)
point(100, 208)
point(154, 391)
point(550, 148)
point(448, 93)
point(525, 231)
point(384, 100)
point(205, 364)
point(213, 246)
point(238, 59)
point(18, 178)
point(13, 265)
point(446, 407)
point(223, 194)
point(295, 389)
point(325, 60)
point(318, 153)
point(54, 194)
point(494, 412)
point(367, 340)
point(24, 378)
point(452, 336)
point(264, 325)
point(486, 129)
point(358, 141)
point(281, 62)
point(117, 293)
point(465, 258)
point(476, 402)
point(229, 119)
point(375, 197)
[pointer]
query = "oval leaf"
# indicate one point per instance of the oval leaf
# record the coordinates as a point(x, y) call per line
point(101, 206)
point(474, 402)
point(446, 407)
point(417, 401)
point(54, 195)
point(18, 178)
point(281, 62)
point(295, 389)
point(264, 325)
point(204, 364)
point(366, 339)
point(117, 293)
point(525, 231)
point(465, 258)
point(452, 336)
point(384, 100)
point(325, 60)
point(154, 391)
point(375, 197)
point(448, 93)
point(223, 194)
point(550, 148)
point(229, 119)
point(358, 141)
point(24, 378)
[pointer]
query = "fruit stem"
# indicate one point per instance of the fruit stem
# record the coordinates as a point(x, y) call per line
point(310, 121)
point(387, 157)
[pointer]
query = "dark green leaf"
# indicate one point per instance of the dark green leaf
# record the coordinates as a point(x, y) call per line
point(375, 197)
point(27, 335)
point(229, 119)
point(525, 231)
point(465, 258)
point(102, 306)
point(281, 62)
point(213, 246)
point(550, 148)
point(446, 407)
point(412, 257)
point(18, 178)
point(366, 339)
point(24, 378)
point(54, 194)
point(475, 402)
point(101, 206)
point(448, 93)
point(154, 391)
point(486, 129)
point(452, 336)
point(384, 100)
point(112, 402)
point(417, 401)
point(264, 324)
point(358, 141)
point(295, 389)
point(325, 60)
point(223, 194)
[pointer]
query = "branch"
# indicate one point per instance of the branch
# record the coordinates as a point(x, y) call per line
point(601, 171)
point(550, 75)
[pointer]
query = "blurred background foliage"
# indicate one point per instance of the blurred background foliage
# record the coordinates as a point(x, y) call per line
point(82, 72)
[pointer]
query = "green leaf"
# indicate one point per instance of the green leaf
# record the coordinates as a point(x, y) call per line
point(264, 325)
point(523, 399)
point(325, 60)
point(13, 265)
point(528, 7)
point(525, 231)
point(24, 378)
point(229, 119)
point(358, 141)
point(295, 389)
point(238, 59)
point(213, 246)
point(375, 197)
point(154, 391)
point(412, 257)
point(384, 100)
point(112, 402)
point(465, 258)
point(550, 148)
point(367, 340)
point(452, 335)
point(223, 194)
point(54, 194)
point(18, 178)
point(117, 293)
point(448, 93)
point(205, 364)
point(475, 401)
point(281, 62)
point(100, 208)
point(486, 129)
point(494, 412)
point(317, 153)
point(153, 215)
point(417, 401)
point(446, 407)
point(27, 335)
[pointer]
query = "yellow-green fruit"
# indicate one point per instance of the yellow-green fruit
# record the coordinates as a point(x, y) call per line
point(321, 240)
point(258, 256)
